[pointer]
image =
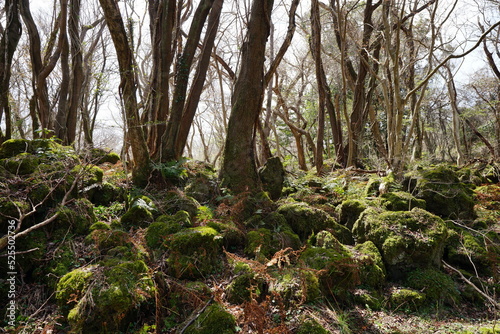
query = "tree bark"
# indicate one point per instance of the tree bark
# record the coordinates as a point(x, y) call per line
point(8, 44)
point(141, 168)
point(239, 171)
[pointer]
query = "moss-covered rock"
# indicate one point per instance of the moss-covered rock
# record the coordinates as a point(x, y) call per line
point(272, 175)
point(213, 320)
point(13, 147)
point(406, 299)
point(174, 201)
point(140, 213)
point(22, 164)
point(371, 266)
point(443, 192)
point(202, 185)
point(369, 298)
point(263, 243)
point(472, 251)
point(165, 225)
point(77, 217)
point(194, 252)
point(244, 287)
point(106, 239)
point(100, 299)
point(233, 238)
point(99, 156)
point(401, 201)
point(305, 220)
point(406, 239)
point(438, 287)
point(349, 211)
point(295, 287)
point(107, 193)
point(311, 327)
point(337, 267)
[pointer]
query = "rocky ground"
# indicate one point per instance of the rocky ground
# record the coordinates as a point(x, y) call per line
point(349, 252)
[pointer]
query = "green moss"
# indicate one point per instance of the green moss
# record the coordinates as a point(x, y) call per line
point(139, 214)
point(194, 252)
point(406, 239)
point(13, 147)
point(349, 211)
point(401, 201)
point(407, 299)
point(22, 164)
point(174, 201)
point(243, 287)
point(368, 298)
point(103, 297)
point(99, 226)
point(258, 244)
point(469, 251)
point(337, 267)
point(107, 193)
point(158, 231)
point(443, 192)
point(438, 286)
point(100, 156)
point(72, 286)
point(272, 175)
point(305, 220)
point(214, 320)
point(106, 239)
point(77, 216)
point(371, 267)
point(232, 237)
point(295, 286)
point(311, 327)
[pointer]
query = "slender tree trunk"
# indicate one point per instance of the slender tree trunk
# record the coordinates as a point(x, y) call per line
point(141, 168)
point(193, 98)
point(183, 68)
point(239, 171)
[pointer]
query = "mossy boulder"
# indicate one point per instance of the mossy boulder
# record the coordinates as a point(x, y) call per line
point(305, 220)
point(443, 192)
point(406, 239)
point(173, 201)
point(244, 287)
point(77, 217)
point(99, 156)
point(406, 299)
point(194, 252)
point(336, 265)
point(401, 201)
point(233, 238)
point(102, 299)
point(349, 211)
point(472, 251)
point(295, 287)
point(140, 213)
point(165, 225)
point(311, 327)
point(202, 185)
point(213, 320)
point(107, 193)
point(263, 243)
point(22, 164)
point(272, 175)
point(438, 286)
point(106, 239)
point(13, 147)
point(371, 266)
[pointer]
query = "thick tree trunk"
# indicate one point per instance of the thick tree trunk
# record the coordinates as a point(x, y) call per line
point(141, 168)
point(238, 171)
point(8, 45)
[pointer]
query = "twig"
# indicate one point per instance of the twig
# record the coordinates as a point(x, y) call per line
point(22, 252)
point(196, 315)
point(482, 293)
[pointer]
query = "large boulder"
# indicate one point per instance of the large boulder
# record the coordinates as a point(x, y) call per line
point(443, 192)
point(305, 221)
point(406, 239)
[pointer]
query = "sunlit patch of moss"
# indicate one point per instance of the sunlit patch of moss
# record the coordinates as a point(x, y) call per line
point(438, 286)
point(407, 299)
point(213, 320)
point(371, 266)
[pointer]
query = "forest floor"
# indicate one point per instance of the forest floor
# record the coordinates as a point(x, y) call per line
point(348, 252)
